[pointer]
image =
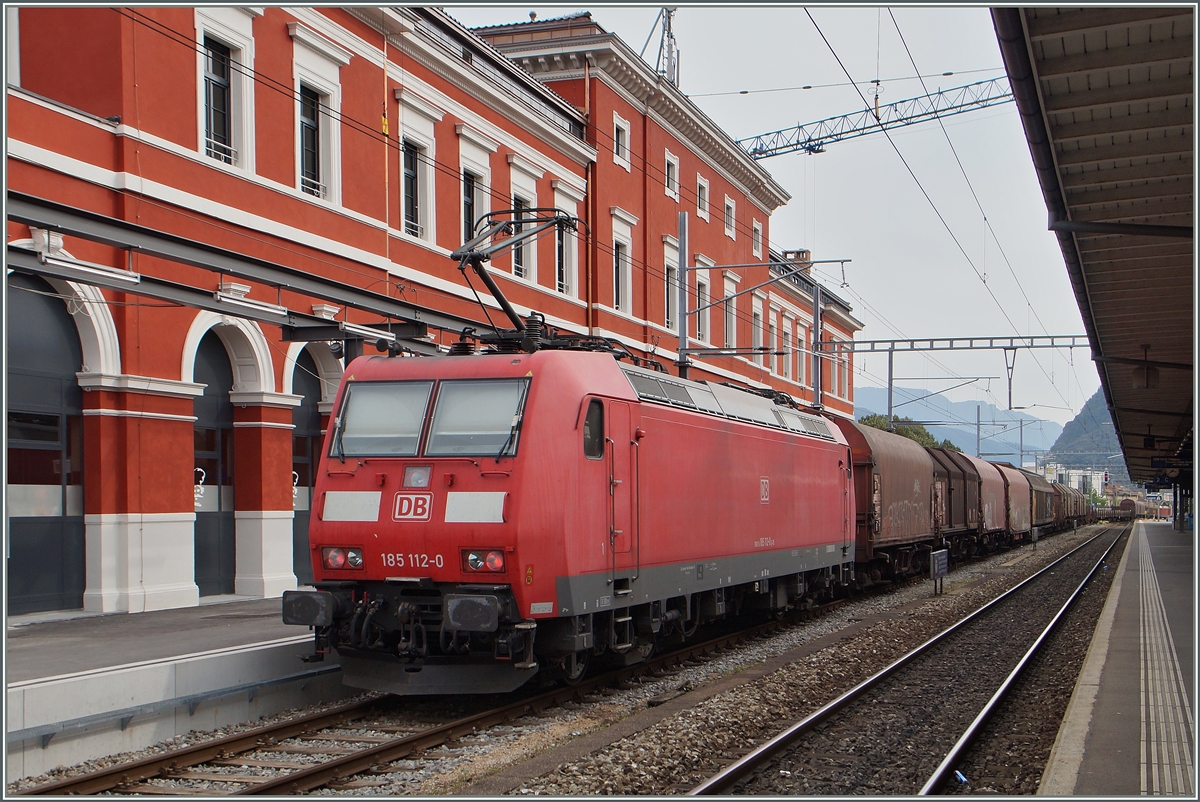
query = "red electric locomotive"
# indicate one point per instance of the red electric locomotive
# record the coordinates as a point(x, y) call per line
point(480, 518)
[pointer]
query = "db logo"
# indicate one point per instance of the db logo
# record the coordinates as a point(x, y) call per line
point(764, 490)
point(412, 507)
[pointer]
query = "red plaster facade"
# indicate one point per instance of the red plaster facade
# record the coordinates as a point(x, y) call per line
point(107, 110)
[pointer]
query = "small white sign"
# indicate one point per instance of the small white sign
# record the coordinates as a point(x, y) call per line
point(475, 508)
point(536, 608)
point(355, 505)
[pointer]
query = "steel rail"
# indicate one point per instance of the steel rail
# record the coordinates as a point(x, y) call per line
point(348, 765)
point(942, 773)
point(725, 779)
point(111, 777)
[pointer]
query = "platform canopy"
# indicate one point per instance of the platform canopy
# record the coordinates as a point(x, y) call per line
point(1106, 99)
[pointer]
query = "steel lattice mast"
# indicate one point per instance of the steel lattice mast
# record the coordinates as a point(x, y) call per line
point(812, 137)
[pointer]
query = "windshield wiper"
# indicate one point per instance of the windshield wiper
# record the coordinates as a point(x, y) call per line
point(518, 417)
point(339, 450)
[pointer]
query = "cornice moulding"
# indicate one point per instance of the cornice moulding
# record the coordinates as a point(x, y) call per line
point(304, 35)
point(530, 169)
point(150, 385)
point(625, 217)
point(419, 104)
point(471, 135)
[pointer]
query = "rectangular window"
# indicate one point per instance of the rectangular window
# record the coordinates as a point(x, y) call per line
point(801, 353)
point(310, 142)
point(671, 175)
point(672, 293)
point(621, 141)
point(701, 198)
point(730, 319)
point(787, 350)
point(218, 126)
point(620, 275)
point(412, 191)
point(772, 359)
point(477, 418)
point(380, 419)
point(562, 278)
point(520, 207)
point(702, 314)
point(756, 238)
point(730, 212)
point(756, 335)
point(470, 183)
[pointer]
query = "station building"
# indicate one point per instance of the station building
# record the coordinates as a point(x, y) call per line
point(161, 451)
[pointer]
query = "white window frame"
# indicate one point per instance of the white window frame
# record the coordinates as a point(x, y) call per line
point(622, 159)
point(234, 28)
point(474, 157)
point(622, 283)
point(671, 175)
point(317, 63)
point(703, 278)
point(417, 118)
point(789, 325)
point(702, 208)
point(756, 238)
point(756, 332)
point(567, 198)
point(772, 343)
point(670, 282)
point(729, 313)
point(730, 212)
point(802, 368)
point(523, 178)
point(622, 226)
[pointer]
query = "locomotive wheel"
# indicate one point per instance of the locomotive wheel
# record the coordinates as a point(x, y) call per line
point(574, 667)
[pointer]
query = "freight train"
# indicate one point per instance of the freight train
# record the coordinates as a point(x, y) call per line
point(483, 518)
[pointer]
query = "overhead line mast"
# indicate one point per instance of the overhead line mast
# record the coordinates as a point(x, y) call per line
point(813, 137)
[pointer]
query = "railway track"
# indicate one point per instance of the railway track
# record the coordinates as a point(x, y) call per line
point(903, 730)
point(336, 746)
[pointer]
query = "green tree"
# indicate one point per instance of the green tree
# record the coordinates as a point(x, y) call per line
point(913, 431)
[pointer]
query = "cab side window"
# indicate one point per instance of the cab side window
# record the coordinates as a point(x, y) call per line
point(593, 430)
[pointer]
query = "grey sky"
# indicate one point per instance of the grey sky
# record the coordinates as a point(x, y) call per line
point(857, 200)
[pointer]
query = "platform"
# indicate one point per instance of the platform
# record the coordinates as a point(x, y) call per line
point(1129, 728)
point(80, 686)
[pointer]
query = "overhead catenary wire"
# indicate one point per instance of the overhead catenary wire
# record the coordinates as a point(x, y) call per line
point(924, 192)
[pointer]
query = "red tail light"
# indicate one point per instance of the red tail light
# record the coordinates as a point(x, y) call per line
point(483, 560)
point(335, 559)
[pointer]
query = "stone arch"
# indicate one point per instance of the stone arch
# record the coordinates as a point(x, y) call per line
point(93, 319)
point(328, 366)
point(248, 349)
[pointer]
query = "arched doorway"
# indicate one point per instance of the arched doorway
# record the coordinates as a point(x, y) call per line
point(216, 544)
point(45, 451)
point(306, 445)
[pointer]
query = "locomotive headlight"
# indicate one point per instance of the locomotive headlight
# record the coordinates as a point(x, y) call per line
point(417, 475)
point(484, 560)
point(338, 558)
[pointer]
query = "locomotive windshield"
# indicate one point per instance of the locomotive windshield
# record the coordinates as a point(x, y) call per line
point(477, 418)
point(381, 419)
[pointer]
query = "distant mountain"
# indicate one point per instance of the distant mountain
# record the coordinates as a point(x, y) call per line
point(1089, 440)
point(1000, 431)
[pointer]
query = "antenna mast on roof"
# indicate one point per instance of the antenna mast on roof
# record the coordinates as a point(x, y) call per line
point(667, 64)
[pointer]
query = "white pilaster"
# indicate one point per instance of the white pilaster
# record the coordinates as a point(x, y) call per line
point(138, 562)
point(264, 553)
